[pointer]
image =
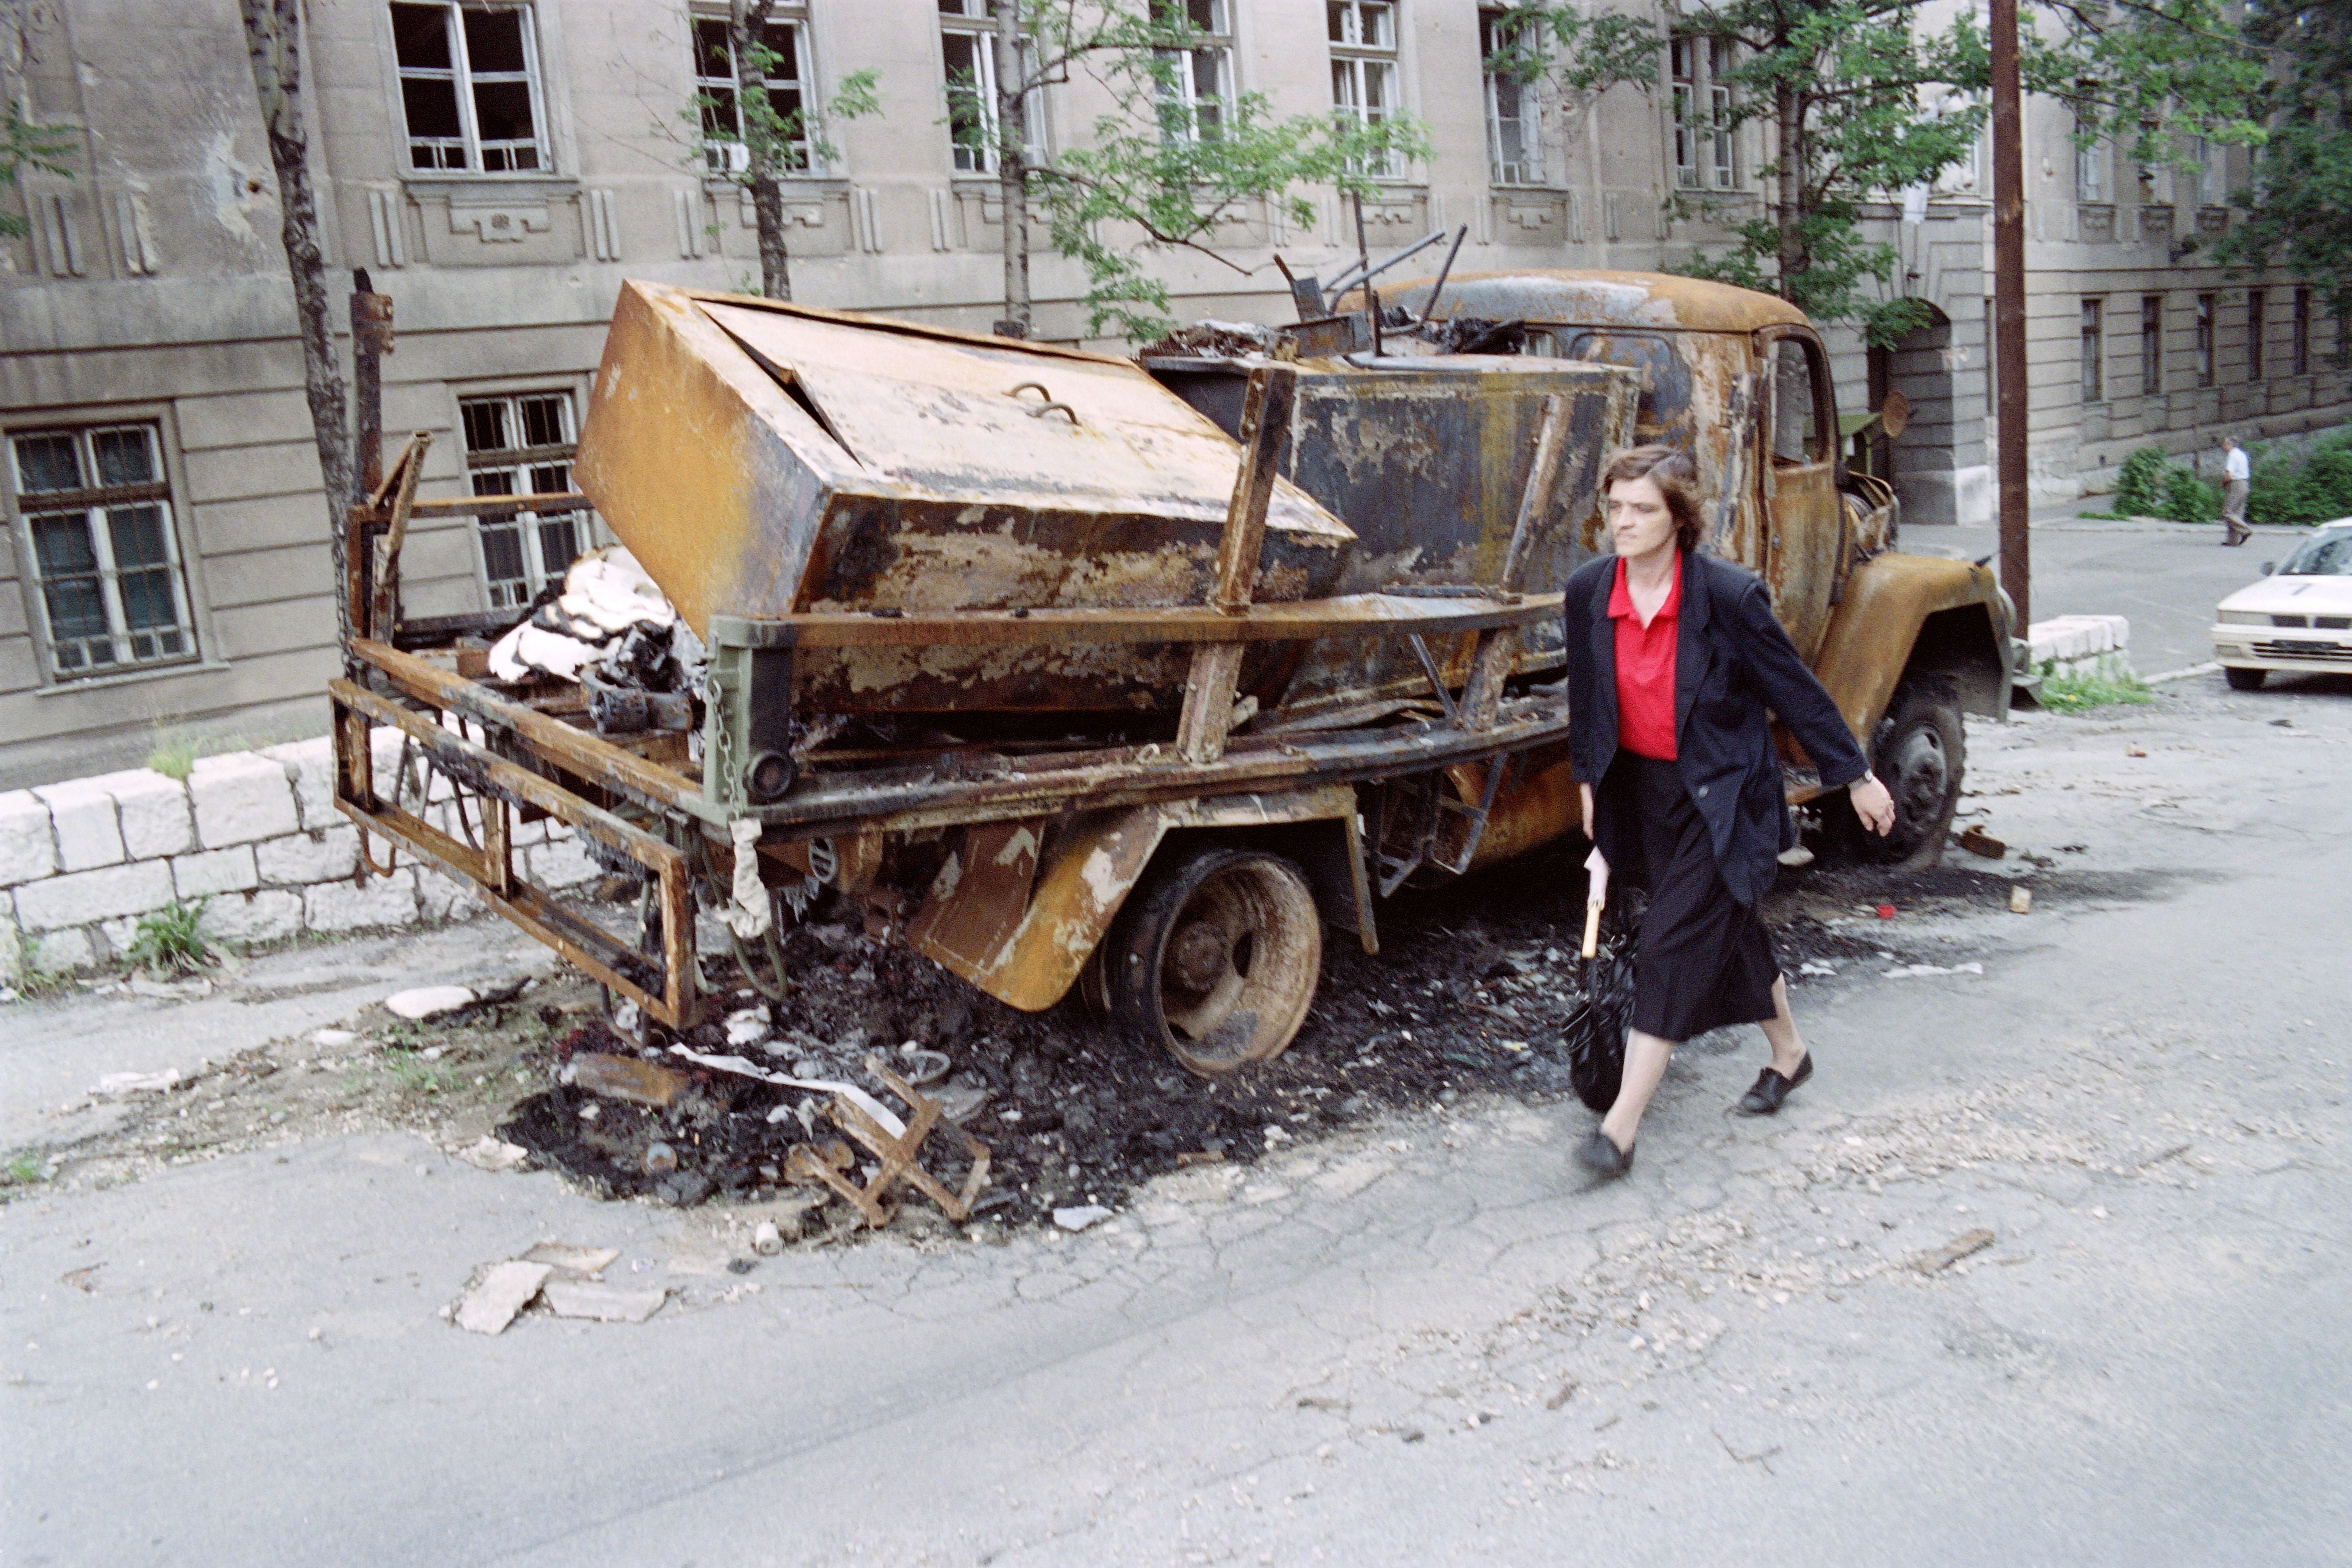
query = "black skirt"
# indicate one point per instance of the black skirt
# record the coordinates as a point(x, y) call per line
point(1705, 960)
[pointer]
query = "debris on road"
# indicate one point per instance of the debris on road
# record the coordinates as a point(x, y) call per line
point(1965, 1245)
point(501, 1291)
point(334, 1039)
point(424, 1002)
point(493, 1155)
point(114, 1085)
point(1084, 1217)
point(896, 1145)
point(586, 1261)
point(1885, 912)
point(623, 1078)
point(1916, 971)
point(602, 1303)
point(1977, 841)
point(767, 1238)
point(2020, 901)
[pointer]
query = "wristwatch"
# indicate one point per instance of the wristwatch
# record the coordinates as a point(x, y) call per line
point(1867, 777)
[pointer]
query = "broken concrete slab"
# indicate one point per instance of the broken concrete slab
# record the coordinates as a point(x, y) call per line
point(113, 1085)
point(602, 1303)
point(491, 1303)
point(1083, 1216)
point(586, 1261)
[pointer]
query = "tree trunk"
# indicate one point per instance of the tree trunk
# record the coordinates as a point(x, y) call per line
point(1789, 121)
point(1012, 167)
point(747, 25)
point(273, 40)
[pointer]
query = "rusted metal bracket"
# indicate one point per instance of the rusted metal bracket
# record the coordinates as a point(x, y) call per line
point(896, 1152)
point(665, 985)
point(1497, 652)
point(1208, 714)
point(383, 607)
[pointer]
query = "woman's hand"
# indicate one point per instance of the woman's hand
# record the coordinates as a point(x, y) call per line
point(1872, 804)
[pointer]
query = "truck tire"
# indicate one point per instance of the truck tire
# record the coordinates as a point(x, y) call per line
point(1217, 962)
point(2243, 679)
point(1920, 753)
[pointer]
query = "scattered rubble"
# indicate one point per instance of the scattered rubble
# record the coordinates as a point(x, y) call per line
point(1965, 1245)
point(496, 1294)
point(427, 1001)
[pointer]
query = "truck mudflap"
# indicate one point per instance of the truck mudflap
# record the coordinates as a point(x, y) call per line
point(663, 984)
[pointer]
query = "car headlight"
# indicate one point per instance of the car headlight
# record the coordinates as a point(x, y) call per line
point(2243, 618)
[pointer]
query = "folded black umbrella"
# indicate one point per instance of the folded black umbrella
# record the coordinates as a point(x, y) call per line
point(1593, 1040)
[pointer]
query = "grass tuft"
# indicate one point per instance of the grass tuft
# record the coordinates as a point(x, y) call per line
point(169, 940)
point(2072, 691)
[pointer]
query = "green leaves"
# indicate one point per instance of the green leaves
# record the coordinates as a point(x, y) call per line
point(25, 144)
point(2300, 209)
point(1579, 55)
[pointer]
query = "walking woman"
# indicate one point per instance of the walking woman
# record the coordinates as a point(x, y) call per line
point(1673, 660)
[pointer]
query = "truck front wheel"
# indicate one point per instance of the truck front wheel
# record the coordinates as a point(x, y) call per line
point(1217, 962)
point(1920, 753)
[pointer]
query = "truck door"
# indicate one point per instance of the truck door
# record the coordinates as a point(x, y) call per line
point(1797, 461)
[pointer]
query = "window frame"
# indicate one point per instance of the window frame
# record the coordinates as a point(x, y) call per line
point(2093, 330)
point(1529, 168)
point(513, 462)
point(805, 163)
point(96, 503)
point(2206, 367)
point(1704, 148)
point(463, 80)
point(2257, 330)
point(2151, 345)
point(1821, 416)
point(972, 20)
point(2090, 172)
point(2299, 333)
point(1355, 63)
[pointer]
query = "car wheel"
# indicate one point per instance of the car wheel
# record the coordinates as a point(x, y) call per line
point(1217, 963)
point(2242, 679)
point(1919, 754)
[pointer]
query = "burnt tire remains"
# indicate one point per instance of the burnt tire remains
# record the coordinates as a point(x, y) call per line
point(1217, 962)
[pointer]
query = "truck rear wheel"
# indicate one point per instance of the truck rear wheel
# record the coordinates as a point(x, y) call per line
point(1217, 963)
point(1920, 754)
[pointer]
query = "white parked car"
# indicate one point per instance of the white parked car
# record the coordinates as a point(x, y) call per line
point(2298, 617)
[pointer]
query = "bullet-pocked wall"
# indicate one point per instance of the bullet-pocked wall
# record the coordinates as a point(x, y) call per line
point(499, 168)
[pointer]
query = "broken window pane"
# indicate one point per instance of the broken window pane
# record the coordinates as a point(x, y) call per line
point(48, 463)
point(494, 40)
point(420, 37)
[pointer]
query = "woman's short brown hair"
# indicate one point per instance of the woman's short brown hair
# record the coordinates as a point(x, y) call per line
point(1671, 469)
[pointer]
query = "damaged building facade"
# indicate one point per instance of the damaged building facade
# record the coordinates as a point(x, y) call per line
point(499, 169)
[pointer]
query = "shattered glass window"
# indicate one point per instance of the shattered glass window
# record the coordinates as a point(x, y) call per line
point(522, 444)
point(470, 88)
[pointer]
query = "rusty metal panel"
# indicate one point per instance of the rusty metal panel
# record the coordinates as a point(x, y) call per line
point(762, 460)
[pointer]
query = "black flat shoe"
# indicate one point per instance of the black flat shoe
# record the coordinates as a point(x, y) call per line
point(1772, 1088)
point(1600, 1155)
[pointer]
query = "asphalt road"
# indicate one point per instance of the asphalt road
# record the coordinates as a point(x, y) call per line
point(1422, 1341)
point(2166, 577)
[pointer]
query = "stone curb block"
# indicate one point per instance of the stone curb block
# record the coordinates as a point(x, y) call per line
point(88, 833)
point(80, 898)
point(155, 812)
point(28, 848)
point(240, 798)
point(215, 871)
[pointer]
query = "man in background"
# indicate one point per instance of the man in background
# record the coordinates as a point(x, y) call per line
point(2236, 474)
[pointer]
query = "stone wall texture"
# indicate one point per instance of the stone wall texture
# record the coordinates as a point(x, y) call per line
point(253, 836)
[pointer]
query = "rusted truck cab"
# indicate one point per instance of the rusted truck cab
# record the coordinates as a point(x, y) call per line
point(1905, 643)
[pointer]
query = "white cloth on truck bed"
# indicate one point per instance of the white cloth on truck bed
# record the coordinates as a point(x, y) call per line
point(606, 593)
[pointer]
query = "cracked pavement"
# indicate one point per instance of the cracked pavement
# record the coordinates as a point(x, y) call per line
point(1424, 1340)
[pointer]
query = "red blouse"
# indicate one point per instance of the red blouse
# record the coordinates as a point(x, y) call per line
point(1645, 669)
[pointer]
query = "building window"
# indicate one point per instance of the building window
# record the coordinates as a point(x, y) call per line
point(2090, 170)
point(1197, 87)
point(2151, 344)
point(1702, 111)
point(1514, 123)
point(469, 87)
point(968, 61)
point(96, 513)
point(2095, 389)
point(2204, 340)
point(786, 85)
point(1364, 66)
point(522, 444)
point(2209, 179)
point(2257, 329)
point(2298, 342)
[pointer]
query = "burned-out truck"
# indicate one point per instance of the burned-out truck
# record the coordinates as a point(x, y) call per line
point(1019, 653)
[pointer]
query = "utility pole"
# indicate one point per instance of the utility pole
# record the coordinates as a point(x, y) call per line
point(2009, 311)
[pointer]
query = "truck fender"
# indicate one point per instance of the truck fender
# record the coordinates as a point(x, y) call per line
point(1021, 906)
point(1905, 613)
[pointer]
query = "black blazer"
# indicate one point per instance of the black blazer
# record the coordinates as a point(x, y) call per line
point(1732, 661)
